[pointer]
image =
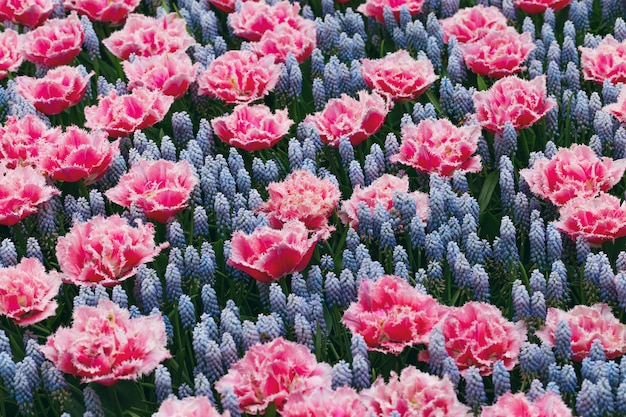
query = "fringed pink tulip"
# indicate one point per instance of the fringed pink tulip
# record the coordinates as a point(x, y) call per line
point(60, 89)
point(252, 127)
point(540, 6)
point(105, 345)
point(472, 23)
point(148, 36)
point(21, 140)
point(355, 119)
point(375, 8)
point(549, 404)
point(618, 109)
point(10, 55)
point(105, 250)
point(239, 77)
point(512, 99)
point(256, 18)
point(29, 13)
point(269, 254)
point(122, 115)
point(22, 190)
point(437, 146)
point(342, 402)
point(606, 62)
point(161, 188)
point(171, 74)
point(398, 76)
point(573, 172)
point(587, 324)
point(27, 292)
point(198, 406)
point(391, 314)
point(297, 38)
point(271, 373)
point(112, 11)
point(55, 43)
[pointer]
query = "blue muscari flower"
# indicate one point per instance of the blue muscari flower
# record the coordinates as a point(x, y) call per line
point(521, 300)
point(229, 350)
point(352, 240)
point(175, 234)
point(596, 352)
point(270, 327)
point(103, 86)
point(173, 286)
point(227, 184)
point(619, 31)
point(364, 216)
point(296, 305)
point(348, 287)
point(480, 283)
point(603, 126)
point(501, 379)
point(535, 69)
point(387, 237)
point(553, 83)
point(434, 246)
point(200, 222)
point(309, 151)
point(294, 153)
point(346, 151)
point(282, 86)
point(508, 246)
point(417, 233)
point(536, 390)
point(400, 255)
point(537, 239)
point(416, 36)
point(219, 45)
point(85, 297)
point(587, 399)
point(317, 63)
point(620, 288)
point(507, 183)
point(93, 404)
point(578, 15)
point(436, 351)
point(433, 51)
point(184, 391)
point(304, 334)
point(250, 335)
point(547, 34)
point(209, 26)
point(314, 280)
point(151, 293)
point(341, 375)
point(346, 48)
point(230, 323)
point(221, 208)
point(182, 127)
point(348, 261)
point(474, 388)
point(360, 372)
point(569, 52)
point(204, 137)
point(529, 26)
point(209, 300)
point(168, 149)
point(569, 380)
point(213, 357)
point(91, 44)
point(537, 282)
point(392, 147)
point(554, 53)
point(549, 18)
point(163, 383)
point(298, 285)
point(620, 399)
point(230, 402)
point(538, 305)
point(380, 216)
point(195, 156)
point(434, 29)
point(332, 77)
point(5, 343)
point(186, 311)
point(606, 400)
point(8, 254)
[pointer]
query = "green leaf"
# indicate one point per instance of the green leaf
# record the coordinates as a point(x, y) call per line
point(482, 85)
point(487, 190)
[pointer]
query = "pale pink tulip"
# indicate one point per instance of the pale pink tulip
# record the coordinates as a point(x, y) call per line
point(148, 36)
point(573, 172)
point(381, 191)
point(161, 188)
point(391, 314)
point(271, 372)
point(597, 219)
point(298, 38)
point(122, 115)
point(437, 146)
point(239, 77)
point(105, 345)
point(26, 12)
point(60, 89)
point(375, 8)
point(472, 23)
point(549, 404)
point(22, 190)
point(398, 76)
point(342, 402)
point(55, 43)
point(499, 53)
point(105, 251)
point(356, 119)
point(414, 394)
point(113, 11)
point(256, 18)
point(512, 99)
point(27, 292)
point(252, 127)
point(198, 406)
point(21, 140)
point(301, 196)
point(606, 62)
point(10, 56)
point(78, 154)
point(171, 74)
point(269, 254)
point(587, 324)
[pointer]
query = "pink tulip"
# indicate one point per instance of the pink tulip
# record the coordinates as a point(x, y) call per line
point(414, 393)
point(472, 23)
point(269, 254)
point(27, 292)
point(549, 404)
point(272, 372)
point(122, 115)
point(60, 89)
point(239, 77)
point(540, 6)
point(606, 62)
point(198, 406)
point(512, 99)
point(256, 18)
point(105, 345)
point(161, 188)
point(381, 191)
point(398, 76)
point(298, 38)
point(599, 219)
point(22, 189)
point(10, 56)
point(342, 402)
point(618, 109)
point(55, 43)
point(391, 314)
point(105, 251)
point(573, 172)
point(437, 146)
point(252, 127)
point(171, 74)
point(499, 53)
point(78, 154)
point(375, 8)
point(21, 140)
point(113, 11)
point(26, 12)
point(301, 196)
point(587, 324)
point(356, 119)
point(148, 36)
point(477, 334)
point(228, 6)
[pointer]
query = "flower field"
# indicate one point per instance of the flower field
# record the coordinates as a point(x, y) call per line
point(358, 208)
